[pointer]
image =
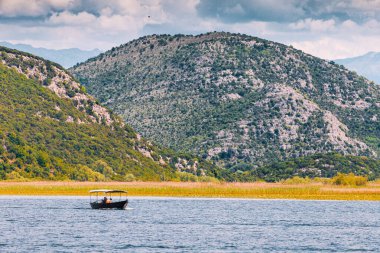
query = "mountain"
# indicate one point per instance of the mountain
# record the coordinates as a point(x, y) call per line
point(367, 65)
point(236, 100)
point(65, 57)
point(50, 128)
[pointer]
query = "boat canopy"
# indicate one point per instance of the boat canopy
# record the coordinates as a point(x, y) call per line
point(108, 191)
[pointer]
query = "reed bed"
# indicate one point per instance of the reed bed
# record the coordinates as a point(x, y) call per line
point(316, 191)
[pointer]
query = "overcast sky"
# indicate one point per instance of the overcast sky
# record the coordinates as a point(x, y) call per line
point(329, 29)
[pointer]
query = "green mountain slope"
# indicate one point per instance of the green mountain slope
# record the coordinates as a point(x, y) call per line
point(50, 128)
point(317, 165)
point(236, 99)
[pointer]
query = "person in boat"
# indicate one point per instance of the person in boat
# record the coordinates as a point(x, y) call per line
point(107, 201)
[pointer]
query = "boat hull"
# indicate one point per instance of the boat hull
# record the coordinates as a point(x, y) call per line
point(113, 205)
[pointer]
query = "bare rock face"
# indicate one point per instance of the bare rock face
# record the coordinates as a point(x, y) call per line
point(60, 82)
point(236, 99)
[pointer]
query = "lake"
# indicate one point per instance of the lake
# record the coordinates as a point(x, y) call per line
point(67, 224)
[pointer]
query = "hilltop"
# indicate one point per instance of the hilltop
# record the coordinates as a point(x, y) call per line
point(236, 100)
point(50, 128)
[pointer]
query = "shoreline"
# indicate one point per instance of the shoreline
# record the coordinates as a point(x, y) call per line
point(82, 197)
point(256, 190)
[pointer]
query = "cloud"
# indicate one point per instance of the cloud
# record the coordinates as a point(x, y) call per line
point(314, 25)
point(337, 40)
point(242, 11)
point(328, 29)
point(247, 10)
point(68, 18)
point(338, 48)
point(82, 23)
point(44, 8)
point(15, 8)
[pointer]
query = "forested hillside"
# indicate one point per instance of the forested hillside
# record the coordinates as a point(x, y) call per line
point(51, 129)
point(236, 99)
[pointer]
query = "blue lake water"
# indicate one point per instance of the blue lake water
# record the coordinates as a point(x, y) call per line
point(67, 224)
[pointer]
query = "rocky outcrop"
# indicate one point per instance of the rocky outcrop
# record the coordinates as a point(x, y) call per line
point(235, 98)
point(59, 81)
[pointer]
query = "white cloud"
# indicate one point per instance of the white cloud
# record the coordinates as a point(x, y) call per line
point(346, 40)
point(331, 40)
point(366, 5)
point(339, 48)
point(314, 25)
point(104, 24)
point(68, 18)
point(32, 8)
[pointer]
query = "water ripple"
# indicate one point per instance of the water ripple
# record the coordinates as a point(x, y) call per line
point(189, 225)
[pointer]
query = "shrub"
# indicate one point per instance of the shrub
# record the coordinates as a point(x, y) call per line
point(129, 177)
point(83, 89)
point(103, 168)
point(297, 180)
point(84, 173)
point(187, 177)
point(208, 179)
point(70, 93)
point(15, 176)
point(349, 179)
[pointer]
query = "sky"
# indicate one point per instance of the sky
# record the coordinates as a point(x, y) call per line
point(330, 29)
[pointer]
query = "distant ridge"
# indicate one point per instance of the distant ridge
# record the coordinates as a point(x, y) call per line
point(65, 57)
point(367, 65)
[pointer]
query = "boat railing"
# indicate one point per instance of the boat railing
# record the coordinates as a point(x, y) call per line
point(99, 196)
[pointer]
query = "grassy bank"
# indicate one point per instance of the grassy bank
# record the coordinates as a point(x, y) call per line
point(317, 191)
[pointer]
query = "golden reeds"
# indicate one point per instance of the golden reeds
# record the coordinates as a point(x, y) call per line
point(314, 190)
